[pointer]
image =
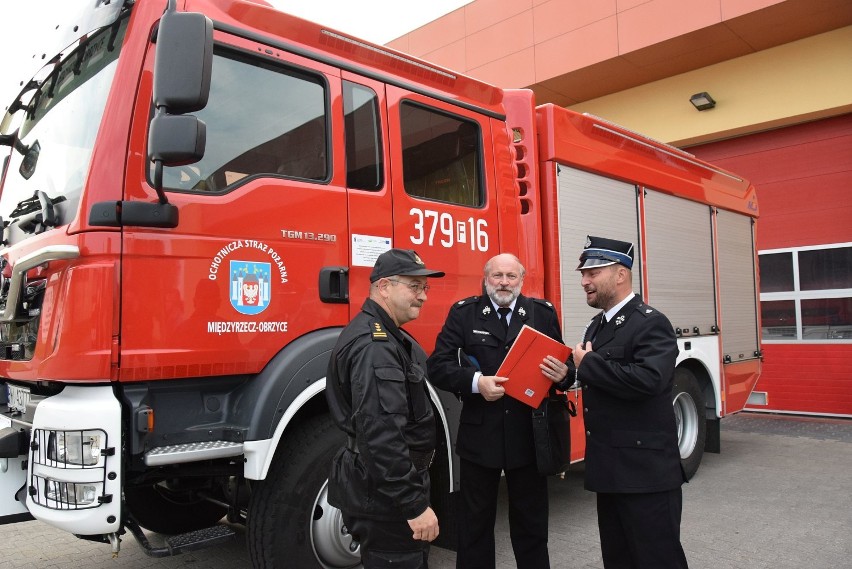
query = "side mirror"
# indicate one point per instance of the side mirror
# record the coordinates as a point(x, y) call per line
point(184, 62)
point(175, 140)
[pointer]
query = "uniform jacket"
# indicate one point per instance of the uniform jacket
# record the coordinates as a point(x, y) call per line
point(377, 394)
point(631, 434)
point(495, 434)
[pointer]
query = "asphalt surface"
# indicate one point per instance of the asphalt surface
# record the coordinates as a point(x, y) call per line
point(778, 496)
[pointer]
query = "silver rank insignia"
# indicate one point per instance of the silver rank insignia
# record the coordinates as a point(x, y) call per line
point(522, 312)
point(648, 311)
point(486, 311)
point(620, 320)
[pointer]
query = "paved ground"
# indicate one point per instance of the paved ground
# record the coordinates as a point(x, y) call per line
point(779, 496)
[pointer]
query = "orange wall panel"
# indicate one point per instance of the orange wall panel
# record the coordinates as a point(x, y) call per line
point(659, 20)
point(557, 17)
point(500, 40)
point(582, 48)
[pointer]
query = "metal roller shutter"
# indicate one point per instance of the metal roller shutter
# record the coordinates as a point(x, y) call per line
point(736, 286)
point(679, 256)
point(590, 205)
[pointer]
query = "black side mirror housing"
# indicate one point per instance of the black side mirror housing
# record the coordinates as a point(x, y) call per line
point(175, 140)
point(184, 62)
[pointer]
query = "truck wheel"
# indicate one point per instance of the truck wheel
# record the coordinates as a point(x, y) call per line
point(162, 510)
point(290, 522)
point(688, 402)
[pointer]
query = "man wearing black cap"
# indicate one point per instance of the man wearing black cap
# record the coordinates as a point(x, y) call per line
point(377, 394)
point(495, 432)
point(625, 365)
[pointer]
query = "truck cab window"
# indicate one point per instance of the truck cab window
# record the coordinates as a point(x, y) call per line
point(262, 120)
point(364, 163)
point(441, 156)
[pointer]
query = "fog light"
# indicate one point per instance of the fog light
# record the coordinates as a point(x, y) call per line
point(83, 494)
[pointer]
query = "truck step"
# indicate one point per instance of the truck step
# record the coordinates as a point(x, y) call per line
point(181, 543)
point(192, 452)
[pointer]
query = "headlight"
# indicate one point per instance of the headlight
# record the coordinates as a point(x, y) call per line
point(80, 448)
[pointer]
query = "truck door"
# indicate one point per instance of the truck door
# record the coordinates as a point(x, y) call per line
point(444, 202)
point(261, 215)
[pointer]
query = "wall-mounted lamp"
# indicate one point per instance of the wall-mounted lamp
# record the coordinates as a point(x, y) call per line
point(702, 101)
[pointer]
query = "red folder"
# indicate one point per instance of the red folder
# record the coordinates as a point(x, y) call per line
point(527, 383)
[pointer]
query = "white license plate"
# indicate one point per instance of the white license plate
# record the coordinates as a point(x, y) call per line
point(18, 398)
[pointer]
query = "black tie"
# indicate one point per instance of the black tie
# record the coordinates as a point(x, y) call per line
point(504, 316)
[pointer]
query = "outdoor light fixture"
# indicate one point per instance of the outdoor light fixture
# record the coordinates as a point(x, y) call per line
point(702, 101)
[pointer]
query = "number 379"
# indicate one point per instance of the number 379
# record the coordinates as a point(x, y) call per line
point(429, 224)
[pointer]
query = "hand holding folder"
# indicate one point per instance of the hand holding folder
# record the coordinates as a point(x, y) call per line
point(526, 382)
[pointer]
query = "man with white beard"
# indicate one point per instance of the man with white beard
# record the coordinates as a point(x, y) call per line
point(495, 432)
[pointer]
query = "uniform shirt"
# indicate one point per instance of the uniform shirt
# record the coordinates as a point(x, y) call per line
point(377, 394)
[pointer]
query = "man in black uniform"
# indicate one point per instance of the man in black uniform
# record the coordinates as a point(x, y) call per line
point(377, 394)
point(495, 432)
point(625, 365)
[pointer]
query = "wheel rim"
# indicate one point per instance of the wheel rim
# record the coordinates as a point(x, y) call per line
point(331, 541)
point(686, 416)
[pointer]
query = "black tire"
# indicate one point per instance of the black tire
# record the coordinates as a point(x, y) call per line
point(688, 402)
point(290, 523)
point(162, 510)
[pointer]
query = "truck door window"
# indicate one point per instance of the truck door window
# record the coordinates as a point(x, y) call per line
point(262, 120)
point(364, 163)
point(441, 156)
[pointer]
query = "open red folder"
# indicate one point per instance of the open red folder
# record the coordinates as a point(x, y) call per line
point(526, 382)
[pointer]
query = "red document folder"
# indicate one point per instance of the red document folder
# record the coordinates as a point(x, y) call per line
point(526, 381)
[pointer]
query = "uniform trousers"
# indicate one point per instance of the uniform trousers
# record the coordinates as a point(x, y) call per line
point(527, 491)
point(639, 531)
point(389, 543)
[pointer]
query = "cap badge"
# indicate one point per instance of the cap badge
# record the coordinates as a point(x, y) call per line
point(418, 260)
point(588, 241)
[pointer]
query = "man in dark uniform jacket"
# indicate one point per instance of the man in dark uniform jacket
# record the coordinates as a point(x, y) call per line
point(625, 365)
point(377, 394)
point(495, 432)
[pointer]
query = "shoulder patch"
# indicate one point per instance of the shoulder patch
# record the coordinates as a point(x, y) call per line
point(378, 333)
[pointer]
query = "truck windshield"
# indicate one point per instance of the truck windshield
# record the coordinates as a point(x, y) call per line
point(57, 133)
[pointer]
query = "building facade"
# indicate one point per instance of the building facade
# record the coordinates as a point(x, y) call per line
point(780, 75)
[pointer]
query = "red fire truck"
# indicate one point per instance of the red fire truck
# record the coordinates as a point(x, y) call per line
point(193, 195)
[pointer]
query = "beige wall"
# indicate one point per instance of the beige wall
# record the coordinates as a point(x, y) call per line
point(792, 83)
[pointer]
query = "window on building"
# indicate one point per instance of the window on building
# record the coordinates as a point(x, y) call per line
point(441, 156)
point(806, 294)
point(263, 119)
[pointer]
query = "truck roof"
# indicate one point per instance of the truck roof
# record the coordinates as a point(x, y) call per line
point(263, 23)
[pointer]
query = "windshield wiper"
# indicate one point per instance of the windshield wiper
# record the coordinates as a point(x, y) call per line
point(36, 214)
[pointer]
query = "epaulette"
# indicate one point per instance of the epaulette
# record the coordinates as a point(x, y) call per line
point(469, 301)
point(546, 303)
point(377, 332)
point(644, 309)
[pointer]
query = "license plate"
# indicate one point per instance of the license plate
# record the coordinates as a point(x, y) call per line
point(18, 398)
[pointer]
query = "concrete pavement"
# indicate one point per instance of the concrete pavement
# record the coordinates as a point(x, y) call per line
point(779, 496)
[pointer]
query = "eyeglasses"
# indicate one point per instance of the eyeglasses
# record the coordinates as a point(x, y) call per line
point(417, 288)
